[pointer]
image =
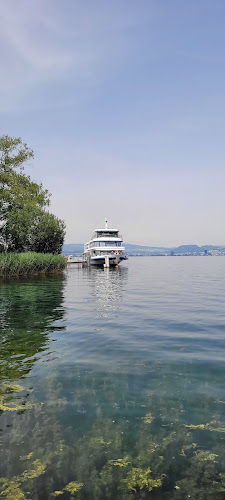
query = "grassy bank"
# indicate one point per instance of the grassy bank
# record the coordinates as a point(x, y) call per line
point(16, 264)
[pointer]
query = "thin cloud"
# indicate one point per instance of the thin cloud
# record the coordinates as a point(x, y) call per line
point(43, 43)
point(30, 50)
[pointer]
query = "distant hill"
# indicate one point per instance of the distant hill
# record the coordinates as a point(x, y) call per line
point(182, 249)
point(73, 248)
point(195, 248)
point(145, 250)
point(78, 248)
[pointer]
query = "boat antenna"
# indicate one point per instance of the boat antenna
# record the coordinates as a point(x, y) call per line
point(106, 224)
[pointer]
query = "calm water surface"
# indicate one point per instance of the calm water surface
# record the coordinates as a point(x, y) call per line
point(112, 382)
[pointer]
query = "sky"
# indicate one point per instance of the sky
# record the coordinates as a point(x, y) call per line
point(123, 103)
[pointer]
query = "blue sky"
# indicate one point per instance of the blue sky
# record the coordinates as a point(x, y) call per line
point(123, 103)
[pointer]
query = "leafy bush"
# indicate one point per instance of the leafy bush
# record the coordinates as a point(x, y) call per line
point(25, 225)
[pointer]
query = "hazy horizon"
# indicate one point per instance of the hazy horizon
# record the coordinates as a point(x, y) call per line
point(152, 246)
point(123, 104)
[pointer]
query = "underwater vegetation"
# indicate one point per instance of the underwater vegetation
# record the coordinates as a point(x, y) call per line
point(141, 452)
point(138, 479)
point(17, 488)
point(163, 465)
point(148, 448)
point(212, 426)
point(11, 489)
point(70, 487)
point(7, 393)
point(69, 431)
point(148, 418)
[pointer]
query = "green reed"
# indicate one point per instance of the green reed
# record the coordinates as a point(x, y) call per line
point(15, 264)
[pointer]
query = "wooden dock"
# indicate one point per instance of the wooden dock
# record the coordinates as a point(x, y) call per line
point(76, 260)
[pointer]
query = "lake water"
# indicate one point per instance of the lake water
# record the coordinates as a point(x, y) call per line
point(113, 382)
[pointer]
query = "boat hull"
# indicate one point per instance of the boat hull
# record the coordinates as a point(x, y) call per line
point(114, 260)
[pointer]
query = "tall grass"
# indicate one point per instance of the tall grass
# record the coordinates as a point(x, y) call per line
point(15, 264)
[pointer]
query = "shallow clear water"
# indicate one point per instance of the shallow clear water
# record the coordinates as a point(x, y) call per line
point(114, 380)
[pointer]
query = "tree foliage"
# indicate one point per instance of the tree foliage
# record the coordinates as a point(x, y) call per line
point(24, 223)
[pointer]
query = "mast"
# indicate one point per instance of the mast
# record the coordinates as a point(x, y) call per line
point(106, 224)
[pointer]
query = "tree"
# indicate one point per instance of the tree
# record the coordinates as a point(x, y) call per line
point(49, 234)
point(22, 204)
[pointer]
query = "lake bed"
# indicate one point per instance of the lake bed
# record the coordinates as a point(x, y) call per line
point(112, 382)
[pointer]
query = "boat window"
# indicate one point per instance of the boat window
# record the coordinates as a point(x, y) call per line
point(100, 234)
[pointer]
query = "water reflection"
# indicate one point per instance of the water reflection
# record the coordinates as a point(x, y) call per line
point(108, 287)
point(28, 311)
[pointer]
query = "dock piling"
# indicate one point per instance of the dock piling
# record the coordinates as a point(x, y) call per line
point(106, 261)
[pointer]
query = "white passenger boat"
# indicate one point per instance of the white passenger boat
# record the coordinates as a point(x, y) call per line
point(105, 248)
